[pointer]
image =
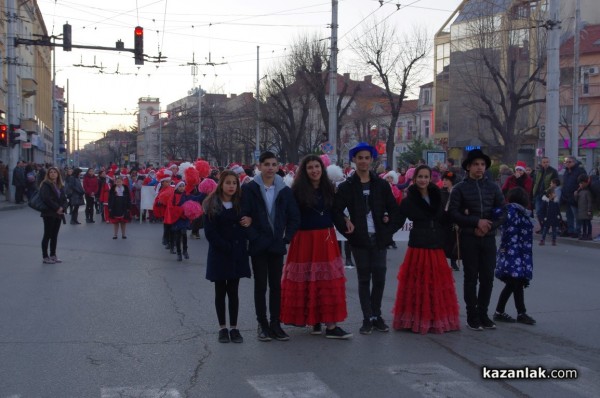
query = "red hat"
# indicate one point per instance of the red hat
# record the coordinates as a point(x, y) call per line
point(520, 165)
point(124, 170)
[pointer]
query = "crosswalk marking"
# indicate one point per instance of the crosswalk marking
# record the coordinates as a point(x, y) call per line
point(133, 392)
point(297, 385)
point(436, 380)
point(586, 385)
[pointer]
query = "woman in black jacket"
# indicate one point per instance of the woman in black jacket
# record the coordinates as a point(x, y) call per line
point(52, 193)
point(426, 298)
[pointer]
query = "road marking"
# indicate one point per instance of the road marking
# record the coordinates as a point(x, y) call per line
point(133, 392)
point(438, 381)
point(586, 385)
point(297, 385)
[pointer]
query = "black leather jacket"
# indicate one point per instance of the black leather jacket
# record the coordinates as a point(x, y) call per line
point(381, 200)
point(472, 200)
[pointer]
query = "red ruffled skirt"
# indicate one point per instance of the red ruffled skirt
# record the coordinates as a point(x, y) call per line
point(426, 297)
point(313, 284)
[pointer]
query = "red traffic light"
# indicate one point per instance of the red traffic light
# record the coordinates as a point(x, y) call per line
point(138, 31)
point(138, 41)
point(3, 135)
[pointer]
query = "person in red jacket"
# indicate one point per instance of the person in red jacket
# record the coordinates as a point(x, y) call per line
point(519, 179)
point(90, 188)
point(104, 190)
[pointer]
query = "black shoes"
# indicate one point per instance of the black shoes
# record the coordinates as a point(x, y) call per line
point(503, 317)
point(526, 319)
point(179, 258)
point(278, 332)
point(367, 327)
point(486, 322)
point(235, 336)
point(186, 255)
point(474, 323)
point(264, 333)
point(379, 325)
point(224, 335)
point(337, 333)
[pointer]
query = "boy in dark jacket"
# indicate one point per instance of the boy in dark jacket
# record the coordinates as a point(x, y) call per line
point(549, 213)
point(374, 218)
point(275, 218)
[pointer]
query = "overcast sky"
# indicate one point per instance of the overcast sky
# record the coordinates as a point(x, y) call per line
point(106, 89)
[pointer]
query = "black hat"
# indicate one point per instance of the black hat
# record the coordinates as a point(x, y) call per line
point(476, 154)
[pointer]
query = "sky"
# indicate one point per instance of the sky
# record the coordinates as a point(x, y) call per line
point(104, 86)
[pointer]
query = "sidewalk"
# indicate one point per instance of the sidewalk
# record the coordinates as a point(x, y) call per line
point(6, 205)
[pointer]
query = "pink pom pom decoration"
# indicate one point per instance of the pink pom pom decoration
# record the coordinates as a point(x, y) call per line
point(192, 210)
point(203, 168)
point(326, 160)
point(207, 186)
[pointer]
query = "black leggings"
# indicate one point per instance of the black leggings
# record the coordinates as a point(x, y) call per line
point(227, 288)
point(180, 236)
point(516, 287)
point(51, 228)
point(89, 207)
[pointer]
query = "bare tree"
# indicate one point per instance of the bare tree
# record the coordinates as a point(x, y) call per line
point(496, 73)
point(397, 65)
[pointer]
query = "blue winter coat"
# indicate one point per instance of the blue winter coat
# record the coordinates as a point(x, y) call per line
point(227, 247)
point(514, 258)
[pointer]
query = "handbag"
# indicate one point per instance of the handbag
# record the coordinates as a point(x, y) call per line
point(452, 244)
point(36, 202)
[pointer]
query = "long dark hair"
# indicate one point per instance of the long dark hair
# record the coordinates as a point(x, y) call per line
point(213, 204)
point(303, 188)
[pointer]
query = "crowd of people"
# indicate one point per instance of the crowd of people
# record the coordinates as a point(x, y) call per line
point(279, 227)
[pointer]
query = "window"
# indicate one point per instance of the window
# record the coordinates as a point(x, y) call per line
point(426, 128)
point(426, 97)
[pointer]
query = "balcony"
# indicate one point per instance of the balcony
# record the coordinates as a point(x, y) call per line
point(28, 87)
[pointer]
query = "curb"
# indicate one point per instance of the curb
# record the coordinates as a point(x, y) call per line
point(574, 242)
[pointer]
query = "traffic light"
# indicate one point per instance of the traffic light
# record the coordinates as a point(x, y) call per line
point(3, 135)
point(138, 49)
point(67, 37)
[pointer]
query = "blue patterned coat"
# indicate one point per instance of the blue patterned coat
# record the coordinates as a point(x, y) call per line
point(514, 258)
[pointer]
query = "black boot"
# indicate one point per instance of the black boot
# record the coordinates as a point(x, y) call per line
point(179, 257)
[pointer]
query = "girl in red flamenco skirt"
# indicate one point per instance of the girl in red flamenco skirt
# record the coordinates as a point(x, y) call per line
point(119, 207)
point(313, 285)
point(426, 298)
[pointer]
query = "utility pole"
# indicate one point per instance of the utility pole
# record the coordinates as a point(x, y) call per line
point(576, 77)
point(553, 82)
point(199, 121)
point(11, 116)
point(257, 148)
point(333, 114)
point(68, 135)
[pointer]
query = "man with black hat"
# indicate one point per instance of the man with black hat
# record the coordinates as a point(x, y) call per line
point(472, 204)
point(369, 229)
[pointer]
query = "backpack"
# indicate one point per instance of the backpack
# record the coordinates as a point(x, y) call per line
point(31, 176)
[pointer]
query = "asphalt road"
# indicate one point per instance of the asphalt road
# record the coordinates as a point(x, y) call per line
point(122, 318)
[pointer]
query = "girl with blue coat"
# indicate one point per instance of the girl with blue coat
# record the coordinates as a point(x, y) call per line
point(227, 259)
point(514, 261)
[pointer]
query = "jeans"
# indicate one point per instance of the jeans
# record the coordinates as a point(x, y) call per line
point(51, 228)
point(180, 237)
point(546, 229)
point(512, 286)
point(89, 208)
point(572, 222)
point(267, 269)
point(479, 262)
point(370, 266)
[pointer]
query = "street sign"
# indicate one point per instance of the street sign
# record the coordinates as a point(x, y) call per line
point(327, 148)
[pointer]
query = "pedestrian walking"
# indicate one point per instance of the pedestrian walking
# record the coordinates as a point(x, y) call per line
point(52, 193)
point(472, 203)
point(19, 181)
point(119, 207)
point(426, 298)
point(313, 284)
point(227, 260)
point(573, 169)
point(514, 261)
point(75, 193)
point(543, 178)
point(275, 218)
point(369, 228)
point(90, 188)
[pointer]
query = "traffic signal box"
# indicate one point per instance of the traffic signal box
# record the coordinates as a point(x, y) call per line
point(3, 135)
point(67, 44)
point(138, 40)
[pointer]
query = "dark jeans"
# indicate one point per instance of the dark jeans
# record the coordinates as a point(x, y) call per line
point(516, 287)
point(586, 226)
point(547, 228)
point(267, 269)
point(89, 208)
point(370, 266)
point(479, 261)
point(74, 213)
point(51, 228)
point(19, 192)
point(227, 288)
point(572, 221)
